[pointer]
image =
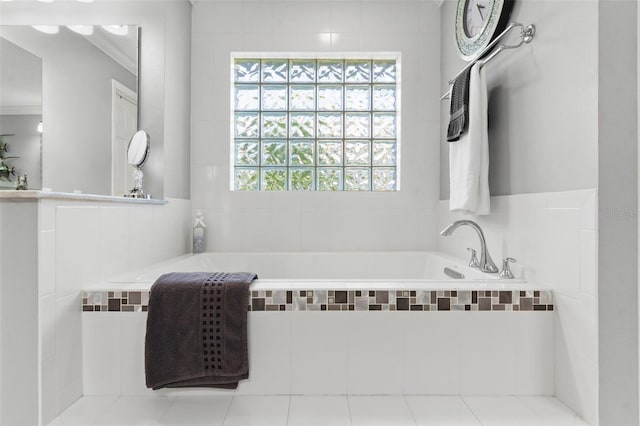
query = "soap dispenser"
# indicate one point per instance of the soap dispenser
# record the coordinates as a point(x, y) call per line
point(199, 232)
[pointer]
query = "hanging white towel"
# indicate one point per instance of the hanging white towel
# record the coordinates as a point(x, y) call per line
point(469, 157)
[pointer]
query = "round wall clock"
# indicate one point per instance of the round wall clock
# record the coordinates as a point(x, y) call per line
point(478, 22)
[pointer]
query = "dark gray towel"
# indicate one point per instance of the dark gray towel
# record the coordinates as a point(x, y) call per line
point(197, 330)
point(459, 107)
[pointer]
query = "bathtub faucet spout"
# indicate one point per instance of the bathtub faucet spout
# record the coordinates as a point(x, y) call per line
point(486, 264)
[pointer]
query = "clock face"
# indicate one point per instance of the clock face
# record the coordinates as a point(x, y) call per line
point(476, 13)
point(477, 22)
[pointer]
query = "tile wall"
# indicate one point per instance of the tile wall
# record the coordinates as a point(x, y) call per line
point(82, 243)
point(290, 221)
point(554, 238)
point(303, 352)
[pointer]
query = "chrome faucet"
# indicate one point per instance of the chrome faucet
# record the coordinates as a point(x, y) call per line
point(486, 264)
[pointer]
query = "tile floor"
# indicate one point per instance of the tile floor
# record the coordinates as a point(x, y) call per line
point(318, 411)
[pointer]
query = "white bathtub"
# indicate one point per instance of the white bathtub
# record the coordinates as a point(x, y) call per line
point(423, 270)
point(346, 323)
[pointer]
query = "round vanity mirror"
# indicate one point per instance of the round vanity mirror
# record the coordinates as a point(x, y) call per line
point(138, 148)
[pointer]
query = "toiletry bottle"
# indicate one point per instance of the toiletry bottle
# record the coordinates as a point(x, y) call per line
point(199, 233)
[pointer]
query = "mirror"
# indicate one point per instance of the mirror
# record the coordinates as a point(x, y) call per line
point(20, 116)
point(138, 148)
point(89, 96)
point(136, 156)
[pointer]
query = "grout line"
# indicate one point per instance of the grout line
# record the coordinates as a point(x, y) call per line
point(406, 403)
point(470, 410)
point(348, 398)
point(226, 413)
point(289, 410)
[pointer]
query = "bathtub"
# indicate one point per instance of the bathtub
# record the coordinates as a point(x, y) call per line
point(346, 323)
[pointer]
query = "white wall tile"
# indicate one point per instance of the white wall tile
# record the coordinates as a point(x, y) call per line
point(269, 354)
point(257, 17)
point(482, 372)
point(47, 320)
point(258, 410)
point(273, 229)
point(77, 249)
point(114, 241)
point(47, 262)
point(68, 351)
point(374, 353)
point(534, 342)
point(133, 328)
point(432, 352)
point(101, 352)
point(559, 259)
point(47, 215)
point(335, 26)
point(319, 353)
point(48, 390)
point(588, 262)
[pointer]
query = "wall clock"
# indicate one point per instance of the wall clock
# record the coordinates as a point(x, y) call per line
point(478, 22)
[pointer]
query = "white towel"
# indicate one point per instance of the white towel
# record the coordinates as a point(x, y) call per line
point(469, 157)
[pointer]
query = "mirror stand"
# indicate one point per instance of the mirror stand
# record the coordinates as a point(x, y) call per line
point(137, 191)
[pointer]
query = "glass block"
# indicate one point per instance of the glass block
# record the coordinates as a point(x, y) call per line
point(357, 98)
point(247, 97)
point(246, 125)
point(247, 70)
point(384, 97)
point(384, 125)
point(357, 153)
point(274, 153)
point(329, 125)
point(301, 153)
point(384, 153)
point(303, 71)
point(329, 179)
point(329, 98)
point(246, 152)
point(357, 125)
point(329, 153)
point(330, 71)
point(274, 125)
point(274, 70)
point(302, 98)
point(246, 179)
point(356, 179)
point(301, 179)
point(384, 71)
point(302, 125)
point(274, 179)
point(357, 71)
point(384, 179)
point(274, 97)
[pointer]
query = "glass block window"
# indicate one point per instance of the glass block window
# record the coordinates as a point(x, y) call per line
point(315, 124)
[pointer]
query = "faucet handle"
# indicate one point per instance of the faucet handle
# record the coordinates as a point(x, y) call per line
point(473, 262)
point(506, 271)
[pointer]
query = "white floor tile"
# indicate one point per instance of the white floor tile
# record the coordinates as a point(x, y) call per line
point(520, 411)
point(379, 411)
point(197, 410)
point(86, 410)
point(135, 411)
point(258, 411)
point(361, 410)
point(441, 411)
point(319, 411)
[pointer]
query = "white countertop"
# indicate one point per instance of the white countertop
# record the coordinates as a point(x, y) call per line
point(37, 194)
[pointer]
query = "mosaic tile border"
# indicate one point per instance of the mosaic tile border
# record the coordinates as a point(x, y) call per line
point(349, 300)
